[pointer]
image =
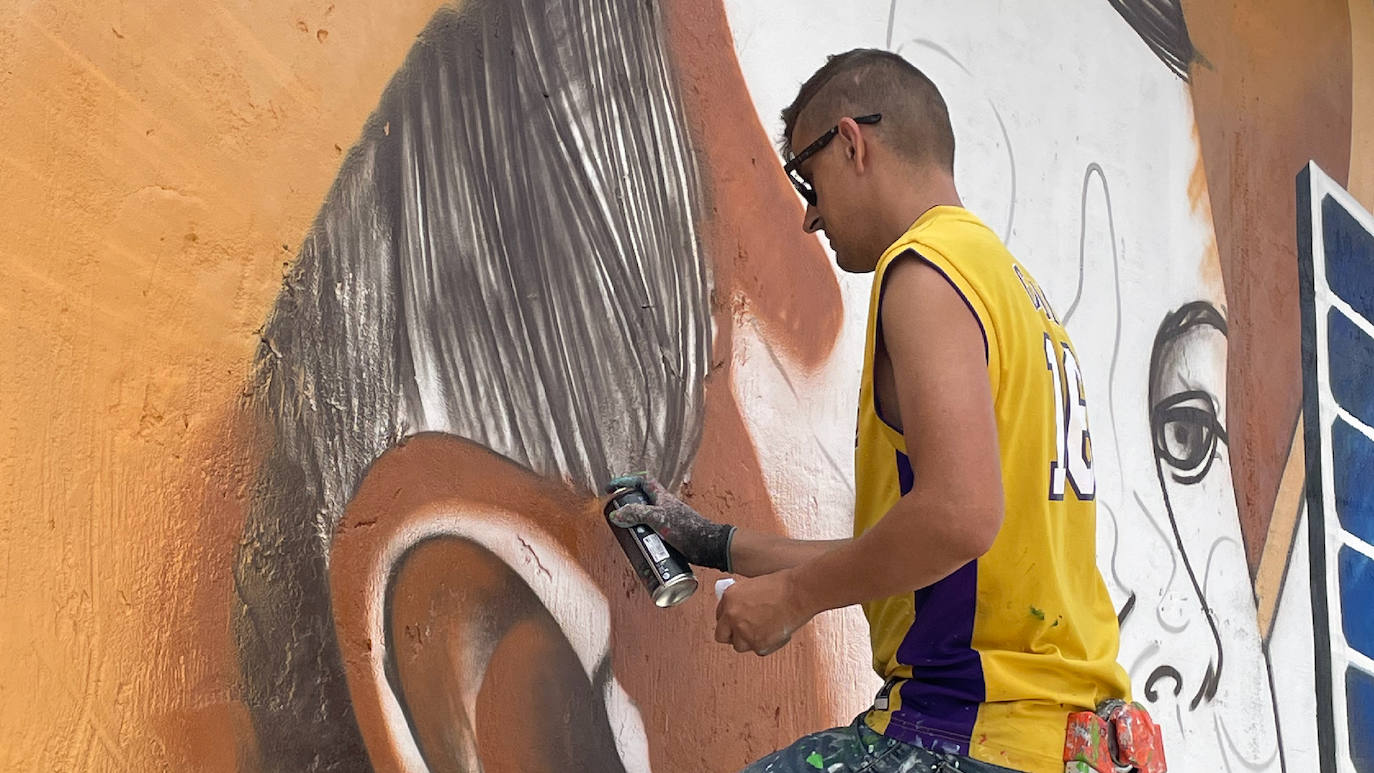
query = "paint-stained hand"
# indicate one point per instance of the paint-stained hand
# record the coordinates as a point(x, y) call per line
point(701, 541)
point(760, 615)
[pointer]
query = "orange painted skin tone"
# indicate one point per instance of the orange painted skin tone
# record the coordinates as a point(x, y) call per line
point(536, 712)
point(1263, 111)
point(687, 688)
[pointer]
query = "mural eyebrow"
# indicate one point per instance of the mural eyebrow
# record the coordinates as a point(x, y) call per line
point(1190, 316)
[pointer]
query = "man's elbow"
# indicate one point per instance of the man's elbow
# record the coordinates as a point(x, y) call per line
point(982, 521)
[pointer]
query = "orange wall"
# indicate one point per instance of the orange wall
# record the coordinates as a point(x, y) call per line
point(159, 165)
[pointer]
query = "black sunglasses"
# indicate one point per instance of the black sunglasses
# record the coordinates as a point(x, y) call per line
point(790, 168)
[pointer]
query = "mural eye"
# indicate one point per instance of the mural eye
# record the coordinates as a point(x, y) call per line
point(1187, 436)
point(1186, 431)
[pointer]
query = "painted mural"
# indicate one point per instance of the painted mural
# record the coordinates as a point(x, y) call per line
point(351, 310)
point(510, 294)
point(509, 258)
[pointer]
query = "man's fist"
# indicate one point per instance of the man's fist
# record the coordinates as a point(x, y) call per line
point(701, 541)
point(759, 615)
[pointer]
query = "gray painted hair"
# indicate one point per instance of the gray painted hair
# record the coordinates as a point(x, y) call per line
point(508, 255)
point(1162, 27)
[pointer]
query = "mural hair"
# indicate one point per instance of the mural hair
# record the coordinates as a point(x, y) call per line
point(508, 255)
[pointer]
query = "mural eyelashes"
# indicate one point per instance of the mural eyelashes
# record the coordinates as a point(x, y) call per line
point(1186, 434)
point(508, 256)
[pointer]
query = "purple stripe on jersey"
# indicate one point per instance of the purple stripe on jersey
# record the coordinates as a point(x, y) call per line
point(905, 478)
point(940, 701)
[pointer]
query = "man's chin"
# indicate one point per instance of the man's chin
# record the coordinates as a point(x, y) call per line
point(852, 266)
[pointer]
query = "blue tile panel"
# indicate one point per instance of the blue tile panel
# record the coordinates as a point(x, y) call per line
point(1350, 365)
point(1349, 257)
point(1359, 706)
point(1354, 480)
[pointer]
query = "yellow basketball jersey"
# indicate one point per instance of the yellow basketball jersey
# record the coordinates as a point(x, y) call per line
point(989, 661)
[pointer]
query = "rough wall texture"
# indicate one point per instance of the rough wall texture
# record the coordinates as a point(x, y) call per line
point(321, 332)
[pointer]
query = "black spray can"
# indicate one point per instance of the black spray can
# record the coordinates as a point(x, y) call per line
point(666, 574)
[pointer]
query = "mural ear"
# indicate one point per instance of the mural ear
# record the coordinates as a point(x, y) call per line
point(467, 629)
point(460, 622)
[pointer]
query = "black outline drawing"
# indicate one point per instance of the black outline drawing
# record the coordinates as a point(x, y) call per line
point(1189, 317)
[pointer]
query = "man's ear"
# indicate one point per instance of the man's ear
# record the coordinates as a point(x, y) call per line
point(855, 147)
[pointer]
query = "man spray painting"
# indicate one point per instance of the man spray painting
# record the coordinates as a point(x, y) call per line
point(974, 546)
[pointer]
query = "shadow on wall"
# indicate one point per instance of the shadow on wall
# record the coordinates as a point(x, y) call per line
point(508, 256)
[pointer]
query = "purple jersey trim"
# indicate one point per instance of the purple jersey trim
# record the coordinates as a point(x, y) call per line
point(905, 478)
point(940, 701)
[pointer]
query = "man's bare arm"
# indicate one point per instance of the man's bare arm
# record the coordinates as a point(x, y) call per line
point(954, 510)
point(704, 542)
point(753, 553)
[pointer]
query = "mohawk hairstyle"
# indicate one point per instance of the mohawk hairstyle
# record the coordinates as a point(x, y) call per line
point(869, 80)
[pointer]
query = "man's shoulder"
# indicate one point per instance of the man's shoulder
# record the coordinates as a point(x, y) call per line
point(961, 245)
point(928, 294)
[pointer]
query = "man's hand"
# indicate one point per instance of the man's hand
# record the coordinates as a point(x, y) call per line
point(760, 615)
point(701, 541)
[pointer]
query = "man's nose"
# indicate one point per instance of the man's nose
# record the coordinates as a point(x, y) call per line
point(811, 221)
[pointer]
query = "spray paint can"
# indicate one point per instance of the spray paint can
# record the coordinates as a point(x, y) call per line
point(665, 573)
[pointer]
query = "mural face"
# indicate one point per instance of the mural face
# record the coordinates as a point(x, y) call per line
point(557, 246)
point(1188, 427)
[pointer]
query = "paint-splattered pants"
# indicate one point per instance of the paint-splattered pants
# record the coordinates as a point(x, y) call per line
point(857, 749)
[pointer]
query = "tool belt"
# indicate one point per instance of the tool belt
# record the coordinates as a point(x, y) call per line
point(1119, 737)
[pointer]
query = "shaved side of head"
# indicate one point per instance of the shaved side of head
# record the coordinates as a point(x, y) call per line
point(915, 121)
